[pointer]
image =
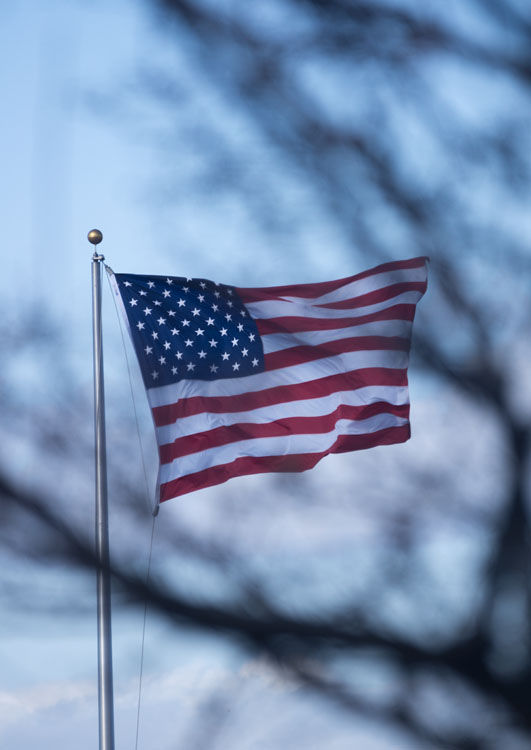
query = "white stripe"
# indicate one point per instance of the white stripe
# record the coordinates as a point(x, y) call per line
point(170, 394)
point(275, 342)
point(312, 407)
point(276, 446)
point(305, 309)
point(374, 282)
point(362, 286)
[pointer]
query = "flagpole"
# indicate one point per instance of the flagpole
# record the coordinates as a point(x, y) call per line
point(105, 682)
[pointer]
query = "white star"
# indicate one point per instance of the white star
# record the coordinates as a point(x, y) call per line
point(213, 343)
point(213, 368)
point(147, 310)
point(167, 345)
point(202, 284)
point(154, 374)
point(235, 366)
point(161, 321)
point(201, 297)
point(228, 317)
point(169, 281)
point(252, 337)
point(166, 293)
point(245, 352)
point(127, 283)
point(174, 370)
point(162, 360)
point(148, 349)
point(225, 356)
point(202, 354)
point(174, 331)
point(186, 322)
point(223, 332)
point(158, 303)
point(155, 335)
point(133, 302)
point(142, 293)
point(215, 308)
point(179, 355)
point(243, 313)
point(185, 288)
point(210, 321)
point(216, 293)
point(240, 327)
point(190, 366)
point(229, 291)
point(255, 362)
point(195, 311)
point(151, 284)
point(234, 342)
point(188, 342)
point(140, 325)
point(230, 304)
point(171, 313)
point(181, 302)
point(189, 278)
point(199, 331)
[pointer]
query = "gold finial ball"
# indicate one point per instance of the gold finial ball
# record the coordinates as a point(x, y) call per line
point(95, 236)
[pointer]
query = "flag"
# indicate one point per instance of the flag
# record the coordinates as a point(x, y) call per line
point(251, 380)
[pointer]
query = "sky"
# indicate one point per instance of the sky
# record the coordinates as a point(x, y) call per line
point(75, 157)
point(83, 145)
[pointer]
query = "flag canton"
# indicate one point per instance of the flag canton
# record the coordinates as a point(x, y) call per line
point(189, 329)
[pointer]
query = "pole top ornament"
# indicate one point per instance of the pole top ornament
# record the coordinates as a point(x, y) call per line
point(95, 236)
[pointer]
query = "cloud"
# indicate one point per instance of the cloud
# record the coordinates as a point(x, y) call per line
point(15, 706)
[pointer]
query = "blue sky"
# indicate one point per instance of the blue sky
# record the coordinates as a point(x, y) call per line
point(83, 146)
point(72, 158)
point(65, 169)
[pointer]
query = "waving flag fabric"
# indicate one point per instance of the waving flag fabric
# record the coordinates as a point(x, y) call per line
point(251, 380)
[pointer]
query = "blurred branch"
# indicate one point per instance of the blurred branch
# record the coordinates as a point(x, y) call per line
point(430, 176)
point(291, 641)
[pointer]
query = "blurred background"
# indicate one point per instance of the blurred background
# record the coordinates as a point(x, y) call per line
point(383, 599)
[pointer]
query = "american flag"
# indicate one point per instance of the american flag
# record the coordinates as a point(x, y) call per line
point(251, 380)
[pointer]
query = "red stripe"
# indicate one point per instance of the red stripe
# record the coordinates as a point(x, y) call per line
point(379, 295)
point(344, 381)
point(201, 441)
point(317, 289)
point(294, 324)
point(298, 355)
point(264, 464)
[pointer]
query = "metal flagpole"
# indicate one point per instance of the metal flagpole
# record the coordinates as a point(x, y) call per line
point(105, 688)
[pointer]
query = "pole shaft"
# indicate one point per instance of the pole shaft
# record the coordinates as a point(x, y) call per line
point(105, 682)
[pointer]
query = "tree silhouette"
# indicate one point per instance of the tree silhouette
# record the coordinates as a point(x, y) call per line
point(408, 128)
